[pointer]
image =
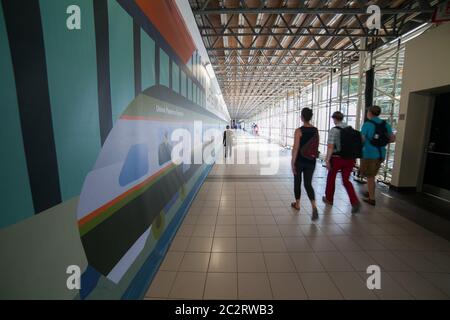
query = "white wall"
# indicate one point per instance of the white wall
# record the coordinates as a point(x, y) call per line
point(427, 66)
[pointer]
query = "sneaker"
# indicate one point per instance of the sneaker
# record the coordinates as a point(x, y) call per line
point(369, 201)
point(356, 207)
point(324, 199)
point(315, 214)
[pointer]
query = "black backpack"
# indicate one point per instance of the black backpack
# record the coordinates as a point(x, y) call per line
point(351, 143)
point(381, 137)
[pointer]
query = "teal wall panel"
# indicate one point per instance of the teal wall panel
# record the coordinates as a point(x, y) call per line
point(164, 68)
point(16, 203)
point(183, 84)
point(73, 91)
point(189, 89)
point(147, 60)
point(194, 93)
point(121, 58)
point(175, 77)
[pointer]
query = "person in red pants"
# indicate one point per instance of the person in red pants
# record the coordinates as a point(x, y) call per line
point(336, 163)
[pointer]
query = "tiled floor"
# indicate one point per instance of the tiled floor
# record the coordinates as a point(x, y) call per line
point(241, 240)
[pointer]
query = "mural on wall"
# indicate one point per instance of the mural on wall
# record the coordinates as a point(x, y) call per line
point(136, 76)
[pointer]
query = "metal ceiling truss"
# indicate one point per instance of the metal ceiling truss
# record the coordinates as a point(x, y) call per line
point(260, 49)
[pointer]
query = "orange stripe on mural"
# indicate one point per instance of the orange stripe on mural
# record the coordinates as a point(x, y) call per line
point(166, 17)
point(97, 212)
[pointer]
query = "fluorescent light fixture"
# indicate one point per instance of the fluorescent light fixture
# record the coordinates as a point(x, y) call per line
point(412, 33)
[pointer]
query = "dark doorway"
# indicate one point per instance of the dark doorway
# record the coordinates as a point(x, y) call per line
point(437, 170)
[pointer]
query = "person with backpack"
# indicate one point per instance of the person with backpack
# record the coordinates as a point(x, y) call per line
point(304, 157)
point(376, 134)
point(344, 147)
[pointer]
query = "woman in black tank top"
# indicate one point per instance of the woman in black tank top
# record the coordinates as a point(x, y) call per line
point(304, 157)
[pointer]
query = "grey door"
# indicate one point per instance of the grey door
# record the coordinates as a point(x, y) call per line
point(437, 170)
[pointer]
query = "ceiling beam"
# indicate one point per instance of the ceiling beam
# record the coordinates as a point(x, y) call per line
point(313, 11)
point(278, 48)
point(287, 34)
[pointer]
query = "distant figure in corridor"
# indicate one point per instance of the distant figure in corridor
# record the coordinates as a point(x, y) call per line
point(228, 141)
point(304, 157)
point(344, 147)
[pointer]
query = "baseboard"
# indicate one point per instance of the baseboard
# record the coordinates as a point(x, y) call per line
point(403, 189)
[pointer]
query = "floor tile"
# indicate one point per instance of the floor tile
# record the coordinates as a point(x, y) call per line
point(319, 286)
point(268, 231)
point(306, 262)
point(199, 244)
point(179, 244)
point(251, 262)
point(290, 231)
point(246, 231)
point(246, 220)
point(225, 231)
point(418, 261)
point(221, 286)
point(195, 262)
point(439, 280)
point(345, 243)
point(224, 244)
point(172, 261)
point(206, 220)
point(279, 262)
point(287, 286)
point(418, 286)
point(297, 244)
point(203, 231)
point(390, 289)
point(273, 244)
point(248, 244)
point(226, 220)
point(359, 260)
point(321, 244)
point(188, 285)
point(334, 261)
point(254, 286)
point(352, 286)
point(161, 284)
point(388, 261)
point(223, 262)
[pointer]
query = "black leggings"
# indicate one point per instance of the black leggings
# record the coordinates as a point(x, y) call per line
point(308, 172)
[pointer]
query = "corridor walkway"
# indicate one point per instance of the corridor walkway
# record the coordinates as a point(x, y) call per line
point(241, 240)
